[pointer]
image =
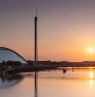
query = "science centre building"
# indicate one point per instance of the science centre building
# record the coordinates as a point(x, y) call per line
point(7, 54)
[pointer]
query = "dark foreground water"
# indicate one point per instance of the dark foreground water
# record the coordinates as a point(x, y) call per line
point(79, 83)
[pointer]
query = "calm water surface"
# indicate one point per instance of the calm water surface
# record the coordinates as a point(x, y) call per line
point(80, 83)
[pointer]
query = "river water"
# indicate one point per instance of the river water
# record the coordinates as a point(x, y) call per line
point(80, 83)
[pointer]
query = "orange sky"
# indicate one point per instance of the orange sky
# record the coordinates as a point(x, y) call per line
point(66, 28)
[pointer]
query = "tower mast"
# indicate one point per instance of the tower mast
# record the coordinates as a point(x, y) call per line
point(35, 55)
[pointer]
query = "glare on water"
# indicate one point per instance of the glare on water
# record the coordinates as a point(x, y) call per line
point(91, 83)
point(91, 74)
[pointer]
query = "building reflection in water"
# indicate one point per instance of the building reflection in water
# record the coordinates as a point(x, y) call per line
point(10, 80)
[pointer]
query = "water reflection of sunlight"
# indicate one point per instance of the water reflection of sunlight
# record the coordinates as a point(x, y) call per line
point(91, 83)
point(91, 76)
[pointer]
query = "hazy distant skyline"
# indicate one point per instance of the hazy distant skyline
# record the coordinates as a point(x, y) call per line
point(66, 28)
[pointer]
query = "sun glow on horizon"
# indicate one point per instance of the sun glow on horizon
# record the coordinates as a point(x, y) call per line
point(90, 50)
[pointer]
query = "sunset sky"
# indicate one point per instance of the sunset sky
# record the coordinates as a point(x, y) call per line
point(66, 28)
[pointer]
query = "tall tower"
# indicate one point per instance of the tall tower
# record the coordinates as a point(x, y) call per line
point(35, 57)
point(35, 40)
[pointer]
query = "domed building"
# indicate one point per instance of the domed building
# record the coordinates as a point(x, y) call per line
point(7, 54)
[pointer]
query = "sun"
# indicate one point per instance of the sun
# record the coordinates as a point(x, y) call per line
point(90, 50)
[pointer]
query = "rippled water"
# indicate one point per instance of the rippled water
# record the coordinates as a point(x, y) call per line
point(51, 84)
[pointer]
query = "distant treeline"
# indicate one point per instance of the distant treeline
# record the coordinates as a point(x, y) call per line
point(48, 63)
point(18, 67)
point(65, 63)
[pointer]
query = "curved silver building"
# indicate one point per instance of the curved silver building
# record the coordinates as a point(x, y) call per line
point(7, 54)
